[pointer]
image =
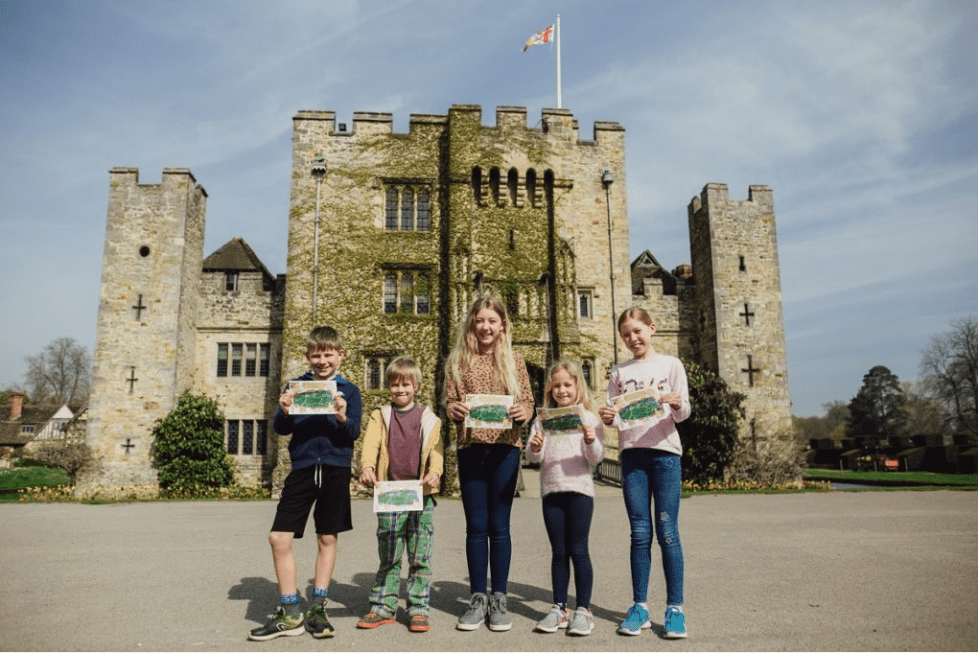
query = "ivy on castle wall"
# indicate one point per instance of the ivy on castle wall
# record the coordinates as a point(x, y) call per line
point(508, 244)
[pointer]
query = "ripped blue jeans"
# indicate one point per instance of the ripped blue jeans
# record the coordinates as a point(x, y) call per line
point(653, 477)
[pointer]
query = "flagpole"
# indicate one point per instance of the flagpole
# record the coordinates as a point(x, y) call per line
point(558, 61)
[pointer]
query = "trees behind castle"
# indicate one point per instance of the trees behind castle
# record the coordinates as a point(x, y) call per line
point(878, 409)
point(60, 373)
point(950, 369)
point(942, 401)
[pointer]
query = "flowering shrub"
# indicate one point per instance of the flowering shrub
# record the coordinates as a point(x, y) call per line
point(739, 485)
point(231, 493)
point(46, 494)
point(66, 493)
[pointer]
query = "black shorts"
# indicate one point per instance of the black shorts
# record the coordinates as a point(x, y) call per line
point(326, 486)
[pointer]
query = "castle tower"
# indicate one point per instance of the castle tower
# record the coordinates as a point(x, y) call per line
point(393, 235)
point(532, 210)
point(145, 336)
point(737, 305)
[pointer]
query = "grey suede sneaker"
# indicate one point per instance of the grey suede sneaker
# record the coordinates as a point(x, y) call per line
point(498, 615)
point(475, 615)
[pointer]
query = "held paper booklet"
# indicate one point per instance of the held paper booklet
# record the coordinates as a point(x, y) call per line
point(489, 411)
point(639, 407)
point(313, 397)
point(398, 496)
point(561, 421)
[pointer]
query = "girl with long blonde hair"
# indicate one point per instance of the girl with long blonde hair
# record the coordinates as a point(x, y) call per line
point(483, 362)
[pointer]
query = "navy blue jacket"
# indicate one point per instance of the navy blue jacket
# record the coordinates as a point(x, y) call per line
point(320, 439)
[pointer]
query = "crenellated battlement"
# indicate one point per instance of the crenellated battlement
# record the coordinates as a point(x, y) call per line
point(554, 123)
point(716, 195)
point(127, 175)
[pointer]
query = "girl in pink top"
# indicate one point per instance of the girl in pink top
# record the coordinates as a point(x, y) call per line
point(568, 461)
point(651, 470)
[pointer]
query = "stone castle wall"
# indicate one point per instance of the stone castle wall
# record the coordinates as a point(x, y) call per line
point(525, 213)
point(517, 211)
point(250, 316)
point(738, 284)
point(144, 348)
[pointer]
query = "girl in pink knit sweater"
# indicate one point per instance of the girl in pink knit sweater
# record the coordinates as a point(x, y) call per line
point(567, 462)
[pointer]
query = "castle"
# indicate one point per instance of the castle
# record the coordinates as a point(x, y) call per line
point(390, 238)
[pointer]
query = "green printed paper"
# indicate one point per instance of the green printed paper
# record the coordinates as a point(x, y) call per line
point(313, 398)
point(488, 411)
point(639, 407)
point(398, 496)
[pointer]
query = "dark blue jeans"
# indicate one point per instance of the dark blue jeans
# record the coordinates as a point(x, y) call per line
point(487, 474)
point(651, 476)
point(567, 516)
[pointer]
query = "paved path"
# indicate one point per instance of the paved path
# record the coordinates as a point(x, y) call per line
point(805, 572)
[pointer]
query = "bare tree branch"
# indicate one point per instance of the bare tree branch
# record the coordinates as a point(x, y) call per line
point(60, 373)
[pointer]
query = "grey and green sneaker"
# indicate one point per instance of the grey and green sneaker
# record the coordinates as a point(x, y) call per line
point(281, 624)
point(475, 614)
point(498, 615)
point(317, 623)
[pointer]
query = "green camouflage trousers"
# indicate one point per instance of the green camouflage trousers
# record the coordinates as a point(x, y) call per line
point(396, 531)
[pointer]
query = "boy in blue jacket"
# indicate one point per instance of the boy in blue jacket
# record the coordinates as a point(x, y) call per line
point(320, 449)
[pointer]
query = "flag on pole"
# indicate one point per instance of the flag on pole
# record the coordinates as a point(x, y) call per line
point(541, 37)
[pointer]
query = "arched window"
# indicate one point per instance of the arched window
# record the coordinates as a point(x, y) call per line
point(477, 184)
point(531, 187)
point(512, 182)
point(494, 184)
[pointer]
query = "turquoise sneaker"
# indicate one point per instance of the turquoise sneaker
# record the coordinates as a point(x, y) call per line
point(675, 623)
point(636, 619)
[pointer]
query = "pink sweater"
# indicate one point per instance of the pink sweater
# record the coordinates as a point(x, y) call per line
point(666, 374)
point(568, 463)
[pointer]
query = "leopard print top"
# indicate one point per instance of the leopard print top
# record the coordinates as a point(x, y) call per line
point(480, 377)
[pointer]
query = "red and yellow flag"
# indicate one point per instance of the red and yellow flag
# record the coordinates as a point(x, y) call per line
point(541, 37)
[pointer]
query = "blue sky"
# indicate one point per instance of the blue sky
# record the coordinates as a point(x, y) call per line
point(862, 116)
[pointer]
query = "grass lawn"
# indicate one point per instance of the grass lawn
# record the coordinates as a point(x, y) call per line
point(894, 478)
point(15, 478)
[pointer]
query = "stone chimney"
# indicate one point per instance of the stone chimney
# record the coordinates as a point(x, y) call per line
point(683, 271)
point(16, 405)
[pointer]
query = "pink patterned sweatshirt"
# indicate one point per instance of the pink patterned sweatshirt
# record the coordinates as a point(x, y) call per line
point(666, 374)
point(566, 462)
